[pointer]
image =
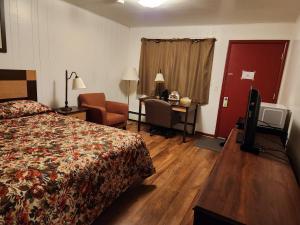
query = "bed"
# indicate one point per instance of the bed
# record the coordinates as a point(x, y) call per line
point(60, 170)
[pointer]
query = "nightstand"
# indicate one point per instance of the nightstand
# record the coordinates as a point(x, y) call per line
point(77, 112)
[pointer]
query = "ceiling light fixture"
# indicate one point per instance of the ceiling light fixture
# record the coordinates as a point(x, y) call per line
point(151, 3)
point(121, 1)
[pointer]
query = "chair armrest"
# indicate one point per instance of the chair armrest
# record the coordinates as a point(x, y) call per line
point(117, 107)
point(96, 114)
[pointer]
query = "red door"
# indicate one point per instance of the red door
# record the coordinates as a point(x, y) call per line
point(258, 64)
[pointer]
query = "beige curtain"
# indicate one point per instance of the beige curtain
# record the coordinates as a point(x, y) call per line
point(185, 63)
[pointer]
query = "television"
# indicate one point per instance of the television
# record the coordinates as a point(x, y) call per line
point(247, 137)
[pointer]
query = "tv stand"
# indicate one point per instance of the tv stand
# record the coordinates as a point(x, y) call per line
point(250, 189)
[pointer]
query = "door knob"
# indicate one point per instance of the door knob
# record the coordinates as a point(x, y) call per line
point(225, 102)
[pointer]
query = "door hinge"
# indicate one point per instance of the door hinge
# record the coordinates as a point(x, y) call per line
point(274, 96)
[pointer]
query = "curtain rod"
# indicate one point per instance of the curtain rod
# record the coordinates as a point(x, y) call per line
point(178, 39)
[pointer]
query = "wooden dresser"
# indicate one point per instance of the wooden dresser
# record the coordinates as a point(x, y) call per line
point(244, 188)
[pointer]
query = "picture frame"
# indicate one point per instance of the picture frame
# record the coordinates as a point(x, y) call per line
point(3, 46)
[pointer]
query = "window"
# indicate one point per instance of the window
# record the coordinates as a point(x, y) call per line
point(185, 63)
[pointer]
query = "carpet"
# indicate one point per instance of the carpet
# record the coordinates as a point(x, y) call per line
point(210, 143)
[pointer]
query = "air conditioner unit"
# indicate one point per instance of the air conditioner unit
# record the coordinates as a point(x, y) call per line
point(272, 115)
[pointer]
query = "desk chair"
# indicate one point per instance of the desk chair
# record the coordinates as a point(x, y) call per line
point(159, 114)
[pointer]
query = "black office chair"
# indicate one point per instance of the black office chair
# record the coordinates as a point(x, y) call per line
point(161, 117)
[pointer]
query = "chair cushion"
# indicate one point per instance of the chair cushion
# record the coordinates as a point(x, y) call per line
point(114, 118)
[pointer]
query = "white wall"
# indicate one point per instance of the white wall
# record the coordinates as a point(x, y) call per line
point(223, 33)
point(290, 90)
point(50, 36)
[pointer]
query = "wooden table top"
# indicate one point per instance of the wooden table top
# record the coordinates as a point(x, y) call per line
point(173, 103)
point(251, 189)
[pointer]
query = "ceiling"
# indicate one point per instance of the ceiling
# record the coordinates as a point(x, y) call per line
point(194, 12)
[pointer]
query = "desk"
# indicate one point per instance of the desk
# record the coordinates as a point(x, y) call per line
point(244, 188)
point(176, 106)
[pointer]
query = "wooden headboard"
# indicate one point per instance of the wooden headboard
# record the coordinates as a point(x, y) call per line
point(18, 85)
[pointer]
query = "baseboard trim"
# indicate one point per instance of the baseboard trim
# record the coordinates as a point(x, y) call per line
point(133, 120)
point(145, 123)
point(197, 133)
point(136, 113)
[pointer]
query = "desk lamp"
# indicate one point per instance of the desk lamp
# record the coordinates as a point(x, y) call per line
point(77, 84)
point(159, 79)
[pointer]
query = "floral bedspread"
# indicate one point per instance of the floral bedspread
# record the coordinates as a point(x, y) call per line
point(60, 170)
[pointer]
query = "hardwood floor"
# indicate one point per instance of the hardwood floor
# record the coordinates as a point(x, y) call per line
point(167, 197)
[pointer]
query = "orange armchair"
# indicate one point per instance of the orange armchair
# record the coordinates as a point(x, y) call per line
point(104, 112)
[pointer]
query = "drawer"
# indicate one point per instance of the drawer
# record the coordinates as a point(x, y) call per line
point(80, 115)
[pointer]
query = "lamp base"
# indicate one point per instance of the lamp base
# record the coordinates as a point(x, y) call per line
point(66, 109)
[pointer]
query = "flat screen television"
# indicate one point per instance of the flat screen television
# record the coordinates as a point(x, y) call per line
point(247, 137)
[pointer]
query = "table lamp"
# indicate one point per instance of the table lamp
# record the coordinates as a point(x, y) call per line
point(77, 84)
point(159, 79)
point(130, 75)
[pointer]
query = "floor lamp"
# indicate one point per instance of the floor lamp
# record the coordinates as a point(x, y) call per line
point(130, 75)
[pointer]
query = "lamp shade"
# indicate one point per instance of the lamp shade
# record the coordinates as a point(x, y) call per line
point(131, 75)
point(78, 83)
point(159, 78)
